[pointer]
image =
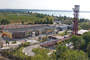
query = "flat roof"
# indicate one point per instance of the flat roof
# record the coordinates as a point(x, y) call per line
point(82, 31)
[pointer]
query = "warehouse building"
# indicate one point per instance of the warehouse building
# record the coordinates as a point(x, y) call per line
point(24, 32)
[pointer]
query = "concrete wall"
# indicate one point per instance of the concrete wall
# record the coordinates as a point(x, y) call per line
point(19, 35)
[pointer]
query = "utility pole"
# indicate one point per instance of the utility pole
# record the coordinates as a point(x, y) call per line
point(75, 25)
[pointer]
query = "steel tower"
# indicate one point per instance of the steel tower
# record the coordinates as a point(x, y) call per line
point(75, 21)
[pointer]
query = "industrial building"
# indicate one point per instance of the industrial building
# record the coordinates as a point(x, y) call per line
point(24, 32)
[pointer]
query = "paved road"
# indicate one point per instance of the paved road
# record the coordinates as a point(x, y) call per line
point(28, 50)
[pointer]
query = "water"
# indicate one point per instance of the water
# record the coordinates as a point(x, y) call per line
point(85, 15)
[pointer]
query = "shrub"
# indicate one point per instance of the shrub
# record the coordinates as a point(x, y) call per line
point(1, 58)
point(41, 51)
point(14, 42)
point(5, 22)
point(17, 54)
point(25, 44)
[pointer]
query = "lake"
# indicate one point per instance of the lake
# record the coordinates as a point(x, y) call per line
point(85, 15)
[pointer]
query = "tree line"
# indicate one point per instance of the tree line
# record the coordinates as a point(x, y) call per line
point(4, 22)
point(44, 21)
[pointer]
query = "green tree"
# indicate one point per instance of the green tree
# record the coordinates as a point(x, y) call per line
point(5, 22)
point(79, 28)
point(60, 49)
point(77, 41)
point(65, 17)
point(86, 37)
point(74, 55)
point(66, 32)
point(42, 51)
point(38, 57)
point(53, 56)
point(85, 25)
point(51, 21)
point(30, 22)
point(47, 20)
point(60, 17)
point(22, 22)
point(88, 49)
point(81, 20)
point(7, 42)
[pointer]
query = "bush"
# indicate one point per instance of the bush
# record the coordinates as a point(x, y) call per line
point(14, 42)
point(25, 44)
point(41, 51)
point(5, 22)
point(1, 58)
point(64, 33)
point(30, 22)
point(22, 22)
point(17, 53)
point(44, 39)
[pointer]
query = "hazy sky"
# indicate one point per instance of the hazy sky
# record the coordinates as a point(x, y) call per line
point(45, 4)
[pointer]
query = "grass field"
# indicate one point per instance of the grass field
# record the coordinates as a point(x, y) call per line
point(19, 18)
point(63, 33)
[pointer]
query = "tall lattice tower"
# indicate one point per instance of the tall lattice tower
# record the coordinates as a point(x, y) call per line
point(76, 15)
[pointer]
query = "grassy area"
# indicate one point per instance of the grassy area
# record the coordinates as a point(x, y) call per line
point(19, 53)
point(19, 18)
point(26, 17)
point(14, 42)
point(63, 33)
point(42, 52)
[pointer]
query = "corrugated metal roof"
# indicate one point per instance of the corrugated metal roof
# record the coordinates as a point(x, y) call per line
point(26, 28)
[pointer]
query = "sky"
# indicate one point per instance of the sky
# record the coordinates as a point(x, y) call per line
point(45, 4)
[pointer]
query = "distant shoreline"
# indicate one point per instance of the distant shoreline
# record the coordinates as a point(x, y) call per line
point(27, 10)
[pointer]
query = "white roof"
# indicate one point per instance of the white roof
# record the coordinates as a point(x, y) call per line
point(82, 31)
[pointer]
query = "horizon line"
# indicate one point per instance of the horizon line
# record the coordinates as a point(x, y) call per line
point(42, 9)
